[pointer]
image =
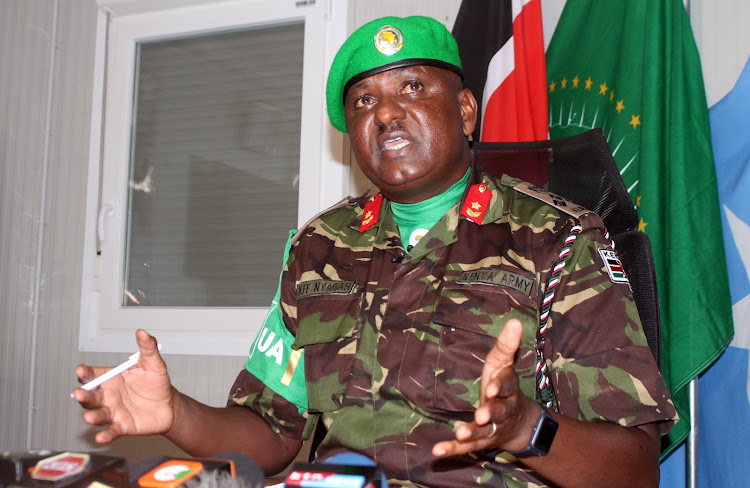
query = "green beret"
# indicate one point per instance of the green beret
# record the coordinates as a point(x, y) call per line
point(383, 44)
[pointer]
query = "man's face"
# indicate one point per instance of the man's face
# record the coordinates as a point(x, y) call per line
point(408, 130)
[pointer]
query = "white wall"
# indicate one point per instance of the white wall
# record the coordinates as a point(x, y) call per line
point(49, 282)
point(54, 419)
point(720, 30)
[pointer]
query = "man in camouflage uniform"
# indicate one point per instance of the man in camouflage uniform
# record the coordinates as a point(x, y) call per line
point(433, 359)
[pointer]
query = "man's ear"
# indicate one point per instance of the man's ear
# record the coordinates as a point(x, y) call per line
point(468, 110)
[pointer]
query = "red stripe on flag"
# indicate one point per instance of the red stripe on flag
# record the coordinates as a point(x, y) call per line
point(500, 122)
point(517, 109)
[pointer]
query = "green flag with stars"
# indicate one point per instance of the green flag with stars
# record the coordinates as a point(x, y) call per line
point(632, 69)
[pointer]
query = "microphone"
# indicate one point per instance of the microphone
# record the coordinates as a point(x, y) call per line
point(226, 470)
point(343, 470)
point(44, 468)
point(56, 469)
point(246, 469)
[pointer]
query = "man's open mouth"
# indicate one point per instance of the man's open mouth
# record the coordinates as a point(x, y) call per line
point(395, 144)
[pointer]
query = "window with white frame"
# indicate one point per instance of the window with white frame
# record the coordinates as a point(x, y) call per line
point(215, 145)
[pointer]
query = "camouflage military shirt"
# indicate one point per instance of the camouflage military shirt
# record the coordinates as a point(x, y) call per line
point(394, 343)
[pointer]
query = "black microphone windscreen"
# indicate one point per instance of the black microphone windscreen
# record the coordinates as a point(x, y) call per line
point(219, 479)
point(245, 468)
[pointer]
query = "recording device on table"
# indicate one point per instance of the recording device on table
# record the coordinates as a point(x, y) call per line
point(56, 469)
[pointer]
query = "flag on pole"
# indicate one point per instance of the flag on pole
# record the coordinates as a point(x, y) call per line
point(632, 69)
point(501, 43)
point(724, 391)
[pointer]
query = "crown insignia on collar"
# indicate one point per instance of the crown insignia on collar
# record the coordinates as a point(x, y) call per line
point(371, 212)
point(476, 203)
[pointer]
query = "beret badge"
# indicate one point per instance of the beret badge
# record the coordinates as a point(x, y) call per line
point(389, 40)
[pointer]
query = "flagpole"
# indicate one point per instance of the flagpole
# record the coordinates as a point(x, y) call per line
point(692, 441)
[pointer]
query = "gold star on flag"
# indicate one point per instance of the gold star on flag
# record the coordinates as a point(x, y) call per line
point(575, 81)
point(589, 82)
point(642, 226)
point(638, 201)
point(611, 95)
point(552, 87)
point(564, 83)
point(620, 106)
point(635, 121)
point(603, 88)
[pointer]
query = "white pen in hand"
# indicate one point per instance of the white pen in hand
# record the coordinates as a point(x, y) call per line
point(132, 360)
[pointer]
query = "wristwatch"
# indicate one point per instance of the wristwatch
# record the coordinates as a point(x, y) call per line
point(541, 437)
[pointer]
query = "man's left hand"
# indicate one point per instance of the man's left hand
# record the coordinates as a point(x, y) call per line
point(505, 417)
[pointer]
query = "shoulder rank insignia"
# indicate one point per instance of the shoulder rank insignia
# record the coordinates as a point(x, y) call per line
point(552, 199)
point(476, 203)
point(372, 212)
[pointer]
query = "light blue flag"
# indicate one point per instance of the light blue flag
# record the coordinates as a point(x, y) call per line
point(724, 390)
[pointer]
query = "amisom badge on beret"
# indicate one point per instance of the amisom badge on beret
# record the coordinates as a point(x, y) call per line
point(389, 40)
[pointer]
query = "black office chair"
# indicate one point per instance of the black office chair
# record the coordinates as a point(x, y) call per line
point(581, 169)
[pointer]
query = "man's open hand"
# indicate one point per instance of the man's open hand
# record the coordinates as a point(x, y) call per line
point(504, 419)
point(140, 401)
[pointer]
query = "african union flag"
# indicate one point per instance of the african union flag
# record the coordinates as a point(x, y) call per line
point(632, 69)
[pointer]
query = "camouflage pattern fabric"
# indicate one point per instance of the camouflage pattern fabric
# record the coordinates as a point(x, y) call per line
point(394, 348)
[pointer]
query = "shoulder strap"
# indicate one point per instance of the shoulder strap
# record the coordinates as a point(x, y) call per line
point(341, 203)
point(560, 203)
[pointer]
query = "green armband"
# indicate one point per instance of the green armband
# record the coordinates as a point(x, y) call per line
point(272, 359)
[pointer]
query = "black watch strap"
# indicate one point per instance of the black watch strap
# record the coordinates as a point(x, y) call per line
point(541, 437)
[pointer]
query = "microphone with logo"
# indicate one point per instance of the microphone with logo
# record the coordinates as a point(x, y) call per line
point(55, 469)
point(45, 468)
point(226, 470)
point(343, 470)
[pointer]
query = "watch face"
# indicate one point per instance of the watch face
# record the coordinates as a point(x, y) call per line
point(546, 434)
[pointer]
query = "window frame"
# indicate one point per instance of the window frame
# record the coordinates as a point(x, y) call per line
point(106, 325)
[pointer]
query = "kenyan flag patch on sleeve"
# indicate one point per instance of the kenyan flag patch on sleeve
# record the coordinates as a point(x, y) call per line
point(614, 267)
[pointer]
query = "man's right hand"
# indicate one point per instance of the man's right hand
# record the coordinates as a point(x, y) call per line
point(140, 401)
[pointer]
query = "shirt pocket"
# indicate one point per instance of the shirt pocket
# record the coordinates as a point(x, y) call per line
point(471, 316)
point(327, 333)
